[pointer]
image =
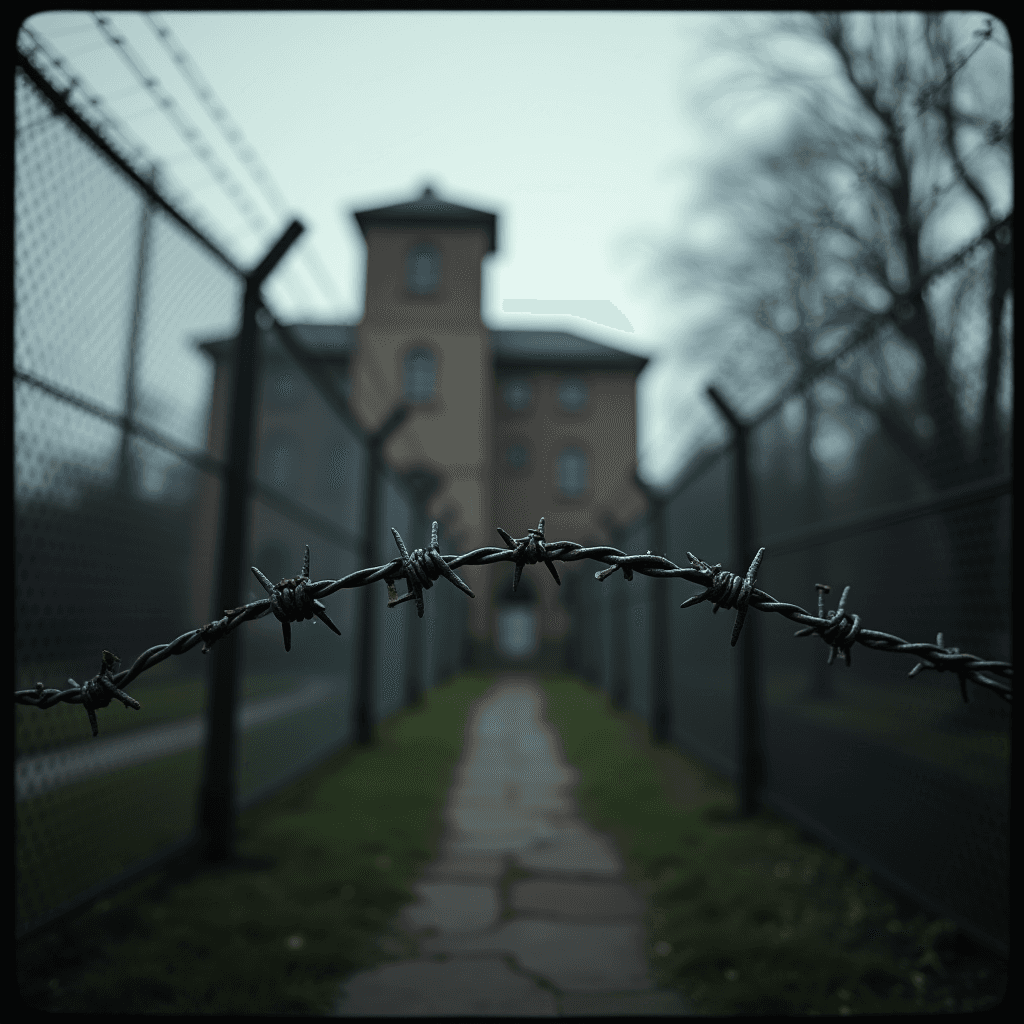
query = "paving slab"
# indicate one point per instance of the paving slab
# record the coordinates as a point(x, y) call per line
point(623, 1004)
point(574, 957)
point(561, 934)
point(453, 868)
point(574, 850)
point(575, 901)
point(478, 987)
point(452, 907)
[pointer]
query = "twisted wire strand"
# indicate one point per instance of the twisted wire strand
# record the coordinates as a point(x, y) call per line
point(298, 599)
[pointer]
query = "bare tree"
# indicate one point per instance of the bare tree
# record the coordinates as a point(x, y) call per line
point(876, 217)
point(847, 223)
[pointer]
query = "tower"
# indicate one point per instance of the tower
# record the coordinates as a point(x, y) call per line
point(422, 339)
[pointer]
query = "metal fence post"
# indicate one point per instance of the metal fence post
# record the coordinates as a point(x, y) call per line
point(750, 751)
point(124, 474)
point(661, 714)
point(367, 621)
point(662, 707)
point(421, 484)
point(217, 795)
point(620, 633)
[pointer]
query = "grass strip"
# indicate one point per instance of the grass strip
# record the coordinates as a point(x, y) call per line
point(750, 916)
point(166, 697)
point(322, 869)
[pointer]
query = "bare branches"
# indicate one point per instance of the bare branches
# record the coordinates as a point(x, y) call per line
point(297, 599)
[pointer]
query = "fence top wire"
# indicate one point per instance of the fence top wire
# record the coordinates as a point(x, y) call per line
point(298, 599)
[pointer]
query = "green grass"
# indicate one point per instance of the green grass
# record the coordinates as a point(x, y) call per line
point(322, 869)
point(166, 692)
point(73, 837)
point(749, 916)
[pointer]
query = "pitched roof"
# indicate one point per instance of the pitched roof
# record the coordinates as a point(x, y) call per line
point(558, 349)
point(428, 211)
point(510, 349)
point(328, 341)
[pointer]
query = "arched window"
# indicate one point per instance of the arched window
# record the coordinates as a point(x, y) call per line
point(286, 387)
point(517, 394)
point(572, 394)
point(423, 270)
point(572, 470)
point(420, 372)
point(517, 456)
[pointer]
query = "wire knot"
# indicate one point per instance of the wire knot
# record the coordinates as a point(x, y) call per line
point(421, 570)
point(529, 550)
point(922, 665)
point(292, 601)
point(726, 589)
point(840, 629)
point(99, 691)
point(213, 631)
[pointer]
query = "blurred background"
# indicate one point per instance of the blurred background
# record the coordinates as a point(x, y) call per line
point(549, 234)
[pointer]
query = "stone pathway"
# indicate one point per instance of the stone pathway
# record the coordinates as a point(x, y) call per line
point(526, 912)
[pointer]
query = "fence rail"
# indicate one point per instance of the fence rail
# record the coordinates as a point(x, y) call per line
point(298, 598)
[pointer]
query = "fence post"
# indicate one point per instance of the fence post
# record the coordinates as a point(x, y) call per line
point(421, 484)
point(217, 795)
point(661, 714)
point(367, 622)
point(750, 750)
point(124, 474)
point(620, 632)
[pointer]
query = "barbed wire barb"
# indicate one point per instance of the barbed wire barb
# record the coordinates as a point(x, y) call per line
point(298, 598)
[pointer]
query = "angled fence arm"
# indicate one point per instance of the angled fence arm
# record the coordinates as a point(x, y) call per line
point(217, 794)
point(124, 473)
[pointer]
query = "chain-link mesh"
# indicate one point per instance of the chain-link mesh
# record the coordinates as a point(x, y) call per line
point(702, 694)
point(901, 774)
point(905, 773)
point(120, 437)
point(103, 531)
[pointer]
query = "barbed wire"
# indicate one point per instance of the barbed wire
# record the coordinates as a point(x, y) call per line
point(235, 138)
point(298, 599)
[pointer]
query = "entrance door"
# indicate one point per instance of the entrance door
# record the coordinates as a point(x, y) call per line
point(517, 629)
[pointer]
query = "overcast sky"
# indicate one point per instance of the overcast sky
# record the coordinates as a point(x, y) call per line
point(580, 131)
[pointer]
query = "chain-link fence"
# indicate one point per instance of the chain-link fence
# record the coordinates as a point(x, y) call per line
point(120, 480)
point(900, 773)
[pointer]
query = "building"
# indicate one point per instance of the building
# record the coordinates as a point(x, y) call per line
point(509, 425)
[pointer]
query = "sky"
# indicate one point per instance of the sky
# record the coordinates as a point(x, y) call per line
point(572, 128)
point(584, 133)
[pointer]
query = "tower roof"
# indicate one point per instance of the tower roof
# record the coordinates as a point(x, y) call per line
point(428, 211)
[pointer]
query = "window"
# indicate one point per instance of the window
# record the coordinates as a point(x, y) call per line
point(517, 394)
point(516, 456)
point(572, 471)
point(287, 389)
point(420, 373)
point(280, 454)
point(423, 270)
point(334, 469)
point(572, 394)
